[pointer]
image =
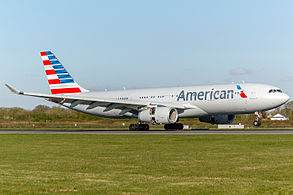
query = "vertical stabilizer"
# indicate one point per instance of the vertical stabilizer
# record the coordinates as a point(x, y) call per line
point(59, 79)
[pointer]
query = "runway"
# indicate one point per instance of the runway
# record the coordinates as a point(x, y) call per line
point(155, 132)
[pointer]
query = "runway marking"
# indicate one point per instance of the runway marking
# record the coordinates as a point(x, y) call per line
point(119, 132)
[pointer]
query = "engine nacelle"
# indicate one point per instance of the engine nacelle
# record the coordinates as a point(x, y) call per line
point(159, 115)
point(218, 119)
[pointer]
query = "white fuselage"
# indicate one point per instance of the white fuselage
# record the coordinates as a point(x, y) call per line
point(200, 100)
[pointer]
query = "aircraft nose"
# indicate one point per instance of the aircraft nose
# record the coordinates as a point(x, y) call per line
point(284, 98)
point(278, 99)
point(274, 100)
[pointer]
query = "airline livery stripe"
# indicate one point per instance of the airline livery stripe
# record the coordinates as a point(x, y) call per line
point(45, 53)
point(50, 72)
point(45, 58)
point(46, 62)
point(48, 67)
point(55, 62)
point(61, 71)
point(52, 58)
point(54, 81)
point(64, 76)
point(63, 85)
point(49, 53)
point(52, 77)
point(58, 67)
point(65, 90)
point(67, 81)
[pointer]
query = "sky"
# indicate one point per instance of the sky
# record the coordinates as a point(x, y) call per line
point(145, 44)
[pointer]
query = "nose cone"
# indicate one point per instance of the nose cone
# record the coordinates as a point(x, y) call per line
point(284, 98)
point(280, 98)
point(275, 100)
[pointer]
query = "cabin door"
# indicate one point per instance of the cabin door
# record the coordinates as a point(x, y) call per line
point(252, 93)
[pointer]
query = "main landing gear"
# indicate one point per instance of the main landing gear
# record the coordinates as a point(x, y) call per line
point(257, 121)
point(175, 126)
point(139, 127)
point(146, 127)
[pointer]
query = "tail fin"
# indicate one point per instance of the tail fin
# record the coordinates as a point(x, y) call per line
point(59, 79)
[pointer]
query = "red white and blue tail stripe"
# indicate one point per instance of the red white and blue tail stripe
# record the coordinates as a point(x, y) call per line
point(59, 79)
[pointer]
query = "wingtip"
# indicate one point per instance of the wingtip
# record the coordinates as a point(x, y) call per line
point(13, 90)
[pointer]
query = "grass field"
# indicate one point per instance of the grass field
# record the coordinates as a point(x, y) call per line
point(144, 164)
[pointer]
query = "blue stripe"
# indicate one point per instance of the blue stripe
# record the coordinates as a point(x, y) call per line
point(58, 67)
point(67, 81)
point(49, 53)
point(64, 76)
point(238, 87)
point(52, 58)
point(60, 71)
point(55, 62)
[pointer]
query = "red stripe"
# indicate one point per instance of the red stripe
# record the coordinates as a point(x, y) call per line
point(65, 90)
point(49, 72)
point(242, 94)
point(54, 81)
point(47, 62)
point(43, 54)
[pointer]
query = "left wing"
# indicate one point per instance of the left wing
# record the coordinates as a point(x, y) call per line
point(109, 104)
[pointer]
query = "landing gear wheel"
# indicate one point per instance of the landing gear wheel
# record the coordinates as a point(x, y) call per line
point(145, 127)
point(257, 123)
point(132, 127)
point(139, 127)
point(180, 126)
point(175, 126)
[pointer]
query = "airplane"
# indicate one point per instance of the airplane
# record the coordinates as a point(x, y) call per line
point(215, 104)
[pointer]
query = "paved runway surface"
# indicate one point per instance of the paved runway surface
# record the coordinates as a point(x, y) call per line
point(119, 132)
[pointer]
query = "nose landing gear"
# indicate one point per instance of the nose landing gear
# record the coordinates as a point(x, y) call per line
point(257, 121)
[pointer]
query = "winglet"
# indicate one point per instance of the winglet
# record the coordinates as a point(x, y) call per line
point(13, 90)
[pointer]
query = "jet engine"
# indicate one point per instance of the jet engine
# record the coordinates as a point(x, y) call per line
point(159, 115)
point(218, 119)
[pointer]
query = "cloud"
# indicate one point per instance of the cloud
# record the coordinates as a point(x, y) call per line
point(287, 79)
point(239, 71)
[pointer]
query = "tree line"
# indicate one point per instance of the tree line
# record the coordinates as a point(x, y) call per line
point(44, 114)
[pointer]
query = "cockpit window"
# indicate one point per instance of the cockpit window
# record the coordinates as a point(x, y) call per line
point(275, 91)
